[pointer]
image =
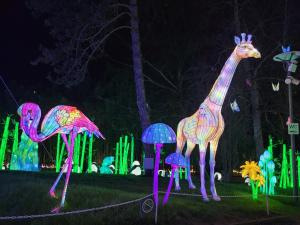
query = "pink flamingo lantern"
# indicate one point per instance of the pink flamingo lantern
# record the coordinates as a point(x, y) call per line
point(60, 119)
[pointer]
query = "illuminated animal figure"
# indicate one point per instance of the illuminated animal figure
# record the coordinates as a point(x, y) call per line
point(60, 119)
point(206, 125)
point(106, 165)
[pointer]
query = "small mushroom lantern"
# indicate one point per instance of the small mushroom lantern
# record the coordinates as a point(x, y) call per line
point(176, 160)
point(158, 134)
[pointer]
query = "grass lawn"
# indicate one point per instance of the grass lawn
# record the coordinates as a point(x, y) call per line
point(27, 193)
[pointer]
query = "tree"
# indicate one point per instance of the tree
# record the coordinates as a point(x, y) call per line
point(80, 30)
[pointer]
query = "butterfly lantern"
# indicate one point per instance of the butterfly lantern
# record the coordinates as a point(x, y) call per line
point(234, 106)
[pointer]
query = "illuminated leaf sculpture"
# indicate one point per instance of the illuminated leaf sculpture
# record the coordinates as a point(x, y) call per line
point(60, 119)
point(206, 125)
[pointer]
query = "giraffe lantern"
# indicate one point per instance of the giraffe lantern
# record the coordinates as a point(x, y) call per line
point(206, 125)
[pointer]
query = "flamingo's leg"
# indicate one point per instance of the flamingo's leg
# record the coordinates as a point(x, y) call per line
point(190, 147)
point(71, 148)
point(212, 163)
point(52, 190)
point(69, 161)
point(202, 149)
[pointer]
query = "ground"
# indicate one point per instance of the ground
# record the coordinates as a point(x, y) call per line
point(27, 193)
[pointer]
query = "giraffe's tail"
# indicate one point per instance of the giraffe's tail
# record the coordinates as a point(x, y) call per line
point(181, 139)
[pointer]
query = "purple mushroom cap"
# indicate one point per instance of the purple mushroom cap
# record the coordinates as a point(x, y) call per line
point(175, 159)
point(159, 133)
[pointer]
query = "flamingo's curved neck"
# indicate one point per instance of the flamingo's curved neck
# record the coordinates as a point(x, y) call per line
point(33, 129)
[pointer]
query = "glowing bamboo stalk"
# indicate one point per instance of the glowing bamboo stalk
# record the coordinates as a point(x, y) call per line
point(13, 159)
point(57, 166)
point(284, 180)
point(298, 161)
point(126, 159)
point(131, 150)
point(117, 168)
point(180, 173)
point(77, 154)
point(270, 147)
point(90, 154)
point(291, 168)
point(121, 156)
point(125, 155)
point(82, 152)
point(62, 151)
point(4, 141)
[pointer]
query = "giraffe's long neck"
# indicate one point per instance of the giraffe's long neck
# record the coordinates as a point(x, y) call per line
point(219, 90)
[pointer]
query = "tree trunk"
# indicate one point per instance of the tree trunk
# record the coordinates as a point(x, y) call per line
point(256, 112)
point(138, 72)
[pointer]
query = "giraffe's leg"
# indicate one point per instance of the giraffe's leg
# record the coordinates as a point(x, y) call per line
point(202, 150)
point(190, 148)
point(52, 190)
point(212, 163)
point(181, 140)
point(176, 175)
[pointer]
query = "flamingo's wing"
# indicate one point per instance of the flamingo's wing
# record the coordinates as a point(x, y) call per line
point(49, 125)
point(88, 126)
point(62, 119)
point(58, 120)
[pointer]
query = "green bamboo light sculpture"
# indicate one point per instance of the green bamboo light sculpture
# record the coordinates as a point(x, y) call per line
point(82, 152)
point(4, 141)
point(79, 153)
point(14, 158)
point(284, 175)
point(122, 154)
point(90, 155)
point(77, 150)
point(291, 169)
point(298, 162)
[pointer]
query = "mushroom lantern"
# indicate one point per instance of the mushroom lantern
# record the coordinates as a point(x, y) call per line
point(176, 160)
point(158, 134)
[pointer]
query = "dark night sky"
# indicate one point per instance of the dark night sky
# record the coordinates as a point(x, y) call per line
point(21, 35)
point(19, 41)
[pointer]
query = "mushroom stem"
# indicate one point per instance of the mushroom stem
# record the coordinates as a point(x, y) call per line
point(155, 176)
point(170, 185)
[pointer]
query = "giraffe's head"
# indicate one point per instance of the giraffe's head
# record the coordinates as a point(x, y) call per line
point(244, 48)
